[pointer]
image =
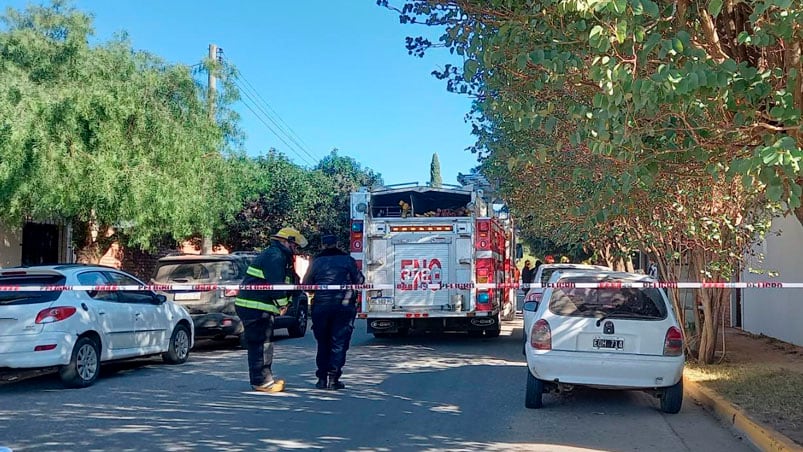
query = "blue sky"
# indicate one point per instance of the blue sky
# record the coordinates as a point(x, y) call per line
point(335, 71)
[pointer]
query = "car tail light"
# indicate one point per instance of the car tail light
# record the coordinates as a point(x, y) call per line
point(673, 342)
point(541, 335)
point(52, 315)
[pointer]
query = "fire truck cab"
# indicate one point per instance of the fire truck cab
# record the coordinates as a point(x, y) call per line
point(436, 259)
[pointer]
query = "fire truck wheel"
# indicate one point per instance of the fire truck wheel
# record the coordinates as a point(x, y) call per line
point(492, 333)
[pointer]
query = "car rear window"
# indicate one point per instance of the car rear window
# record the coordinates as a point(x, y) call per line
point(198, 271)
point(30, 297)
point(625, 303)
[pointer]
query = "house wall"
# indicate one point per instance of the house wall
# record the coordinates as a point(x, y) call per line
point(10, 246)
point(776, 313)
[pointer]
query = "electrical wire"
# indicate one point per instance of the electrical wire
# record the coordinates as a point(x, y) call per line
point(293, 144)
point(261, 119)
point(278, 129)
point(303, 145)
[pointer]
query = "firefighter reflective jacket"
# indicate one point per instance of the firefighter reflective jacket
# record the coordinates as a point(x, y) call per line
point(272, 266)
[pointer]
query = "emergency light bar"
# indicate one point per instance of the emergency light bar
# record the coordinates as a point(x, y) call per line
point(448, 228)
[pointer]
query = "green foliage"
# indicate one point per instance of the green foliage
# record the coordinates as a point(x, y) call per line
point(435, 179)
point(106, 133)
point(280, 193)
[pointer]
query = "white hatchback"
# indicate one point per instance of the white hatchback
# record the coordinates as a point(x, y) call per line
point(609, 337)
point(77, 330)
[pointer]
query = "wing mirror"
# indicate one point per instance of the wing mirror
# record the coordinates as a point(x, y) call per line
point(531, 306)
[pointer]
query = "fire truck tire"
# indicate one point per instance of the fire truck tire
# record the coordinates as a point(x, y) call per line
point(492, 333)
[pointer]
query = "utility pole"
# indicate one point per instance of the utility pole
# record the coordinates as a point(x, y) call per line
point(206, 243)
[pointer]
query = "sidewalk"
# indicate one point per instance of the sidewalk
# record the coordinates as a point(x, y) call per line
point(769, 426)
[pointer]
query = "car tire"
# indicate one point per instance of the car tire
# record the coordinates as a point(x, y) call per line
point(672, 398)
point(535, 392)
point(299, 326)
point(84, 366)
point(179, 349)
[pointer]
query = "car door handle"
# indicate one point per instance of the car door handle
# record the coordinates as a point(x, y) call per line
point(138, 314)
point(101, 312)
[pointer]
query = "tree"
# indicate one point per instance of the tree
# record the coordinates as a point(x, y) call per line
point(695, 109)
point(435, 179)
point(106, 134)
point(280, 193)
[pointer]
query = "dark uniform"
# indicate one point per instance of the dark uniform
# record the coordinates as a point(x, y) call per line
point(333, 311)
point(256, 308)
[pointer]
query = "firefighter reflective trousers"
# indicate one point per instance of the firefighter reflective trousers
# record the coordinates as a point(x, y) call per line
point(332, 325)
point(258, 329)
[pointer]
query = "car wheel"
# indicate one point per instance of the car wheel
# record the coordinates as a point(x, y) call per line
point(535, 392)
point(672, 398)
point(179, 349)
point(84, 364)
point(299, 326)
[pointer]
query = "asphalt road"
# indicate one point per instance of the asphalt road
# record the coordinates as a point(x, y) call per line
point(445, 392)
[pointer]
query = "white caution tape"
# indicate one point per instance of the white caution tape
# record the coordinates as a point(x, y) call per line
point(406, 287)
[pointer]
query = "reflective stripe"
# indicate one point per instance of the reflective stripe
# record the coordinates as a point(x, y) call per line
point(261, 305)
point(251, 304)
point(255, 272)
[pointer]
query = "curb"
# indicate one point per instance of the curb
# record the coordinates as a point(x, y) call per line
point(760, 435)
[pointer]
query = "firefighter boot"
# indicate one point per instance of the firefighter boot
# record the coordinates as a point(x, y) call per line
point(321, 384)
point(334, 382)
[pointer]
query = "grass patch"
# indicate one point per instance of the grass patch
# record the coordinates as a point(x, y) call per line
point(772, 395)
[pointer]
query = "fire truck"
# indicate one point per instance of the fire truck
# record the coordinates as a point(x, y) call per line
point(433, 258)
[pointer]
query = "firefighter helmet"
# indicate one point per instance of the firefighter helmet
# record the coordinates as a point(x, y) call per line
point(291, 235)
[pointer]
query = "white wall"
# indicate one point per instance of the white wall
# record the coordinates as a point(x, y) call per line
point(10, 246)
point(776, 313)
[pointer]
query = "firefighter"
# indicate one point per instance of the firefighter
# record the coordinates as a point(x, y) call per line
point(333, 311)
point(257, 308)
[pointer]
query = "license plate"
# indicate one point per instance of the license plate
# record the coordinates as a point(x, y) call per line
point(609, 343)
point(188, 296)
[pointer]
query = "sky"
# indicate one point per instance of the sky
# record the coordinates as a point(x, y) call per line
point(332, 73)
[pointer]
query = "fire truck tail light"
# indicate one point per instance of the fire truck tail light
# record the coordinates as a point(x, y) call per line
point(483, 226)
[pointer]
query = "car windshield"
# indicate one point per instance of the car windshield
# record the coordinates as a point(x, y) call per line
point(205, 271)
point(625, 303)
point(17, 297)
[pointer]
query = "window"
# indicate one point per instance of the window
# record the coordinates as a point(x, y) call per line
point(95, 278)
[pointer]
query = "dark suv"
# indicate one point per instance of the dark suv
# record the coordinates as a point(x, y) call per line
point(213, 310)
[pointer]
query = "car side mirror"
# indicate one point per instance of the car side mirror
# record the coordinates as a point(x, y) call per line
point(160, 299)
point(531, 306)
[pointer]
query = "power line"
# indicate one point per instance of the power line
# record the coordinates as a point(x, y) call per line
point(261, 119)
point(267, 115)
point(271, 109)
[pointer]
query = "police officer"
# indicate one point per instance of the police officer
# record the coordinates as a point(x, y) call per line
point(333, 311)
point(257, 308)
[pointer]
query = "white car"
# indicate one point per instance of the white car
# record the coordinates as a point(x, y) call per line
point(609, 338)
point(544, 272)
point(77, 330)
point(542, 275)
